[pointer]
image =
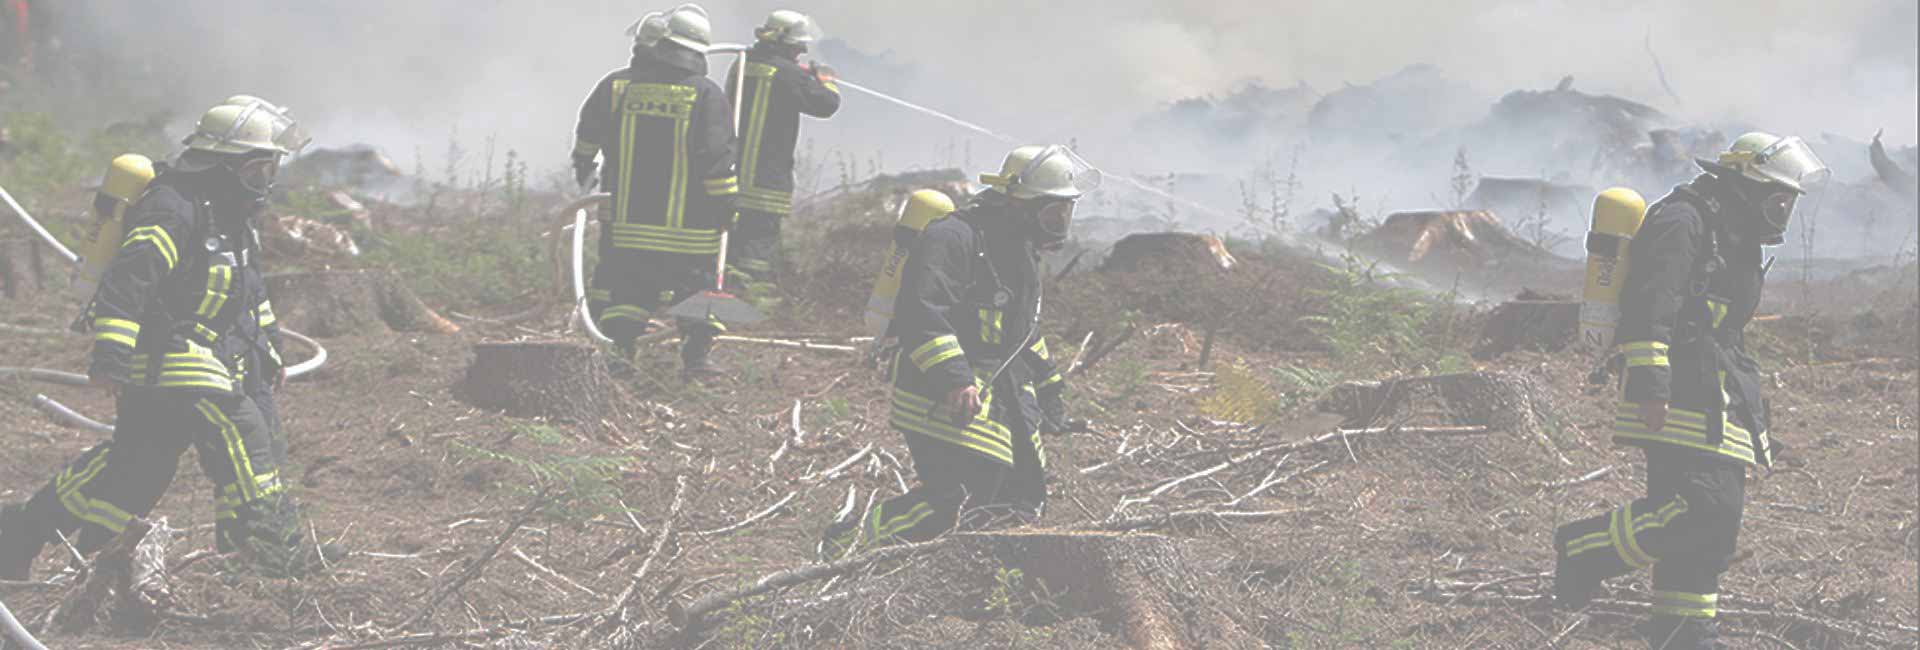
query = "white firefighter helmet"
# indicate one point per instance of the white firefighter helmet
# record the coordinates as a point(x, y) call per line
point(239, 129)
point(1036, 171)
point(1769, 158)
point(688, 27)
point(288, 133)
point(649, 29)
point(789, 27)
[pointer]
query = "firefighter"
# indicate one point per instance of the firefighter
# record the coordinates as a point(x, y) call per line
point(1692, 399)
point(778, 90)
point(172, 320)
point(973, 383)
point(666, 133)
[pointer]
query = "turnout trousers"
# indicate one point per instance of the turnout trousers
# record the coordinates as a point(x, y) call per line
point(754, 246)
point(1685, 530)
point(124, 477)
point(633, 286)
point(957, 489)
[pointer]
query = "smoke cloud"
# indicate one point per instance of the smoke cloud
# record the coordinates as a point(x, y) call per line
point(411, 76)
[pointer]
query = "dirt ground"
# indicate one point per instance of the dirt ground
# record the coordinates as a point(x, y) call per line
point(1399, 540)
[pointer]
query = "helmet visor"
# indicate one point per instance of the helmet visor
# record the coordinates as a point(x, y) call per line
point(1058, 171)
point(1056, 219)
point(258, 173)
point(1792, 163)
point(1777, 208)
point(289, 135)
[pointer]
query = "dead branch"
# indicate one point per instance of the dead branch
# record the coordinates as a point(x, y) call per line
point(1265, 485)
point(111, 572)
point(692, 615)
point(473, 569)
point(791, 344)
point(1197, 515)
point(749, 521)
point(1095, 356)
point(1589, 477)
point(836, 469)
point(659, 542)
point(1080, 353)
point(543, 570)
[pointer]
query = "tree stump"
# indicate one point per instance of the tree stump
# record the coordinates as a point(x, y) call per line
point(1176, 252)
point(335, 303)
point(542, 379)
point(1497, 400)
point(1532, 321)
point(20, 268)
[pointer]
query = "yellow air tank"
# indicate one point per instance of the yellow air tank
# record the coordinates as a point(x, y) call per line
point(920, 208)
point(1617, 214)
point(127, 178)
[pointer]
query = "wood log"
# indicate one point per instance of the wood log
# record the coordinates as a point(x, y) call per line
point(1174, 252)
point(21, 274)
point(551, 379)
point(336, 303)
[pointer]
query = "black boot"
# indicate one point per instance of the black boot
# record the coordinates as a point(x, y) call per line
point(1575, 579)
point(696, 366)
point(20, 544)
point(1680, 633)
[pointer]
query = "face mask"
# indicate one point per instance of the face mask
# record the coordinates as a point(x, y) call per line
point(257, 174)
point(1055, 223)
point(1776, 209)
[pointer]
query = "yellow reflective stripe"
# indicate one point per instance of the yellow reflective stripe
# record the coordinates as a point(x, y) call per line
point(127, 329)
point(990, 326)
point(1637, 362)
point(599, 294)
point(585, 148)
point(1590, 542)
point(1641, 558)
point(1040, 348)
point(756, 122)
point(1676, 603)
point(266, 314)
point(236, 448)
point(911, 414)
point(161, 241)
point(723, 186)
point(677, 191)
point(623, 199)
point(219, 281)
point(1055, 379)
point(114, 337)
point(931, 353)
point(623, 312)
point(1719, 310)
point(1655, 346)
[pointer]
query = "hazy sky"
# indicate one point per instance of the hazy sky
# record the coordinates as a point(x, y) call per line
point(408, 73)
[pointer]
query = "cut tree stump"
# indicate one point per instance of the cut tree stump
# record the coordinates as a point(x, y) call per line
point(540, 379)
point(1090, 589)
point(336, 303)
point(21, 274)
point(1532, 321)
point(1497, 400)
point(1175, 252)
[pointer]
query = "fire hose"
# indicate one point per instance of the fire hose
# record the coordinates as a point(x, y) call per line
point(60, 412)
point(16, 631)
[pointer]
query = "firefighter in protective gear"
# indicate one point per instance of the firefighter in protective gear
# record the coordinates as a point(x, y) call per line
point(174, 322)
point(666, 133)
point(973, 382)
point(1692, 396)
point(778, 90)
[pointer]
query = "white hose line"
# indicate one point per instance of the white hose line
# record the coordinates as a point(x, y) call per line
point(37, 229)
point(64, 416)
point(580, 311)
point(16, 631)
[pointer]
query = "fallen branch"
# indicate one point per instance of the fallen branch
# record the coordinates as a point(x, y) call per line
point(474, 569)
point(1589, 477)
point(1095, 356)
point(543, 570)
point(1633, 607)
point(784, 343)
point(33, 331)
point(836, 469)
point(659, 543)
point(692, 615)
point(1265, 485)
point(1080, 353)
point(749, 521)
point(1197, 515)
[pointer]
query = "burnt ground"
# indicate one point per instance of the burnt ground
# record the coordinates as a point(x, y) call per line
point(1392, 540)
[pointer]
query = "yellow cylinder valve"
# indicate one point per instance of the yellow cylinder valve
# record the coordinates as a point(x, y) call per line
point(1617, 214)
point(921, 208)
point(127, 178)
